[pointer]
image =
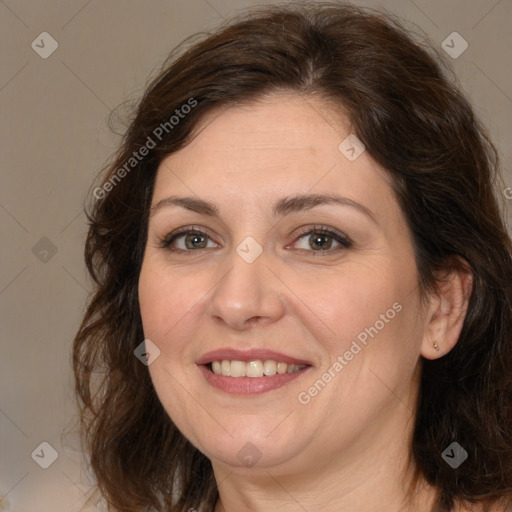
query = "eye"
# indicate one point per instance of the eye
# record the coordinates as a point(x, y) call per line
point(321, 239)
point(187, 239)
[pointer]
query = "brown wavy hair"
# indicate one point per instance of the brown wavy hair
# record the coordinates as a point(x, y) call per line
point(410, 114)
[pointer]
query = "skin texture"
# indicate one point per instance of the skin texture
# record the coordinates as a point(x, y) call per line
point(348, 447)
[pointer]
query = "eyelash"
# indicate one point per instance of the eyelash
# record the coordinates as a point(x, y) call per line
point(166, 242)
point(343, 240)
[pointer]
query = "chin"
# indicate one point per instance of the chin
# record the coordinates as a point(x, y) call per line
point(252, 446)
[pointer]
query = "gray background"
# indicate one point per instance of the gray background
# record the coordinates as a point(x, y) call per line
point(55, 139)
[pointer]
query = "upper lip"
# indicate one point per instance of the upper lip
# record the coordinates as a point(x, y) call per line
point(233, 354)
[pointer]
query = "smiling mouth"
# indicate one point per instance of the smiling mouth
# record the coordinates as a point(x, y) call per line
point(255, 369)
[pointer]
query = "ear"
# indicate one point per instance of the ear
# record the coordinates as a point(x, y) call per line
point(447, 311)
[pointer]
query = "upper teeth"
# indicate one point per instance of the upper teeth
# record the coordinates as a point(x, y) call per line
point(256, 368)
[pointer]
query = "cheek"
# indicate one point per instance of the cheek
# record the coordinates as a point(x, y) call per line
point(166, 305)
point(380, 341)
point(371, 315)
point(352, 299)
point(166, 299)
point(169, 307)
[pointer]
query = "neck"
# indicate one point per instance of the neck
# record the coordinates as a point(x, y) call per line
point(270, 492)
point(374, 473)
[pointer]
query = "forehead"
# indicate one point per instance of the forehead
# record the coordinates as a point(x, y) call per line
point(283, 141)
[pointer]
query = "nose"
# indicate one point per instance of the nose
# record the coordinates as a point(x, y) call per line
point(247, 294)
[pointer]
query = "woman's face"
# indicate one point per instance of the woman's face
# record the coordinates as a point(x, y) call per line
point(267, 270)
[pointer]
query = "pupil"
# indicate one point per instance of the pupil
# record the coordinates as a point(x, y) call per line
point(320, 240)
point(195, 241)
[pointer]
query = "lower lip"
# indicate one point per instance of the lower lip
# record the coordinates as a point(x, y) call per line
point(248, 385)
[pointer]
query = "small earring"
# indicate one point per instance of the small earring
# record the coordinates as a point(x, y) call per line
point(436, 346)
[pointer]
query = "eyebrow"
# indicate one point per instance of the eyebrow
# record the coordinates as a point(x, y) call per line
point(284, 206)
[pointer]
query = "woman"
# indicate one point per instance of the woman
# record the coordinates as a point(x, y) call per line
point(303, 282)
